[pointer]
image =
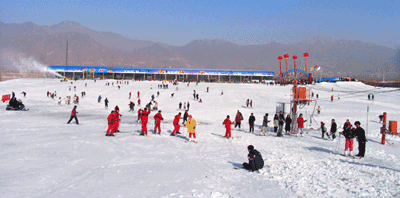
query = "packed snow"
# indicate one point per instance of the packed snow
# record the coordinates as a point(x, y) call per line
point(42, 156)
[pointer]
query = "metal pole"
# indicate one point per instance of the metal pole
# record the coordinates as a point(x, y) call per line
point(367, 118)
point(66, 55)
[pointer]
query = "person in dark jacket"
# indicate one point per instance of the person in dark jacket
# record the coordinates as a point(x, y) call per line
point(73, 115)
point(281, 119)
point(349, 135)
point(347, 123)
point(360, 135)
point(185, 117)
point(256, 161)
point(106, 102)
point(323, 130)
point(333, 129)
point(251, 123)
point(288, 122)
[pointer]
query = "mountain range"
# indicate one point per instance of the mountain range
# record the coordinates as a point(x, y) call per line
point(86, 47)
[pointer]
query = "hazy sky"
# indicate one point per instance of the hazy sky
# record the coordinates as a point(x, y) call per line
point(242, 22)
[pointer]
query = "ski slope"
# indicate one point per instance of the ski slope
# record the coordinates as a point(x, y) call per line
point(42, 156)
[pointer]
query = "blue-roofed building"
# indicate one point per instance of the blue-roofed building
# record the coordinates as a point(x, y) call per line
point(161, 73)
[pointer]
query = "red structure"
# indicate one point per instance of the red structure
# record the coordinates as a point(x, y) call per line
point(280, 65)
point(295, 69)
point(306, 55)
point(383, 129)
point(286, 56)
point(393, 127)
point(301, 96)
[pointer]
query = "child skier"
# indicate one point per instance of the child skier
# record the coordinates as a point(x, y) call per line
point(191, 125)
point(111, 120)
point(117, 119)
point(157, 119)
point(176, 124)
point(324, 130)
point(349, 135)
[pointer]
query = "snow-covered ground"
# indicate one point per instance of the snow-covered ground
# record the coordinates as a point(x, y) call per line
point(42, 156)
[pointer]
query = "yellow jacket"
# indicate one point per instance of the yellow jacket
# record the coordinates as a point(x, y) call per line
point(191, 125)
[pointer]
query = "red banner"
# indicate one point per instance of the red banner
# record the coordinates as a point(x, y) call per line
point(6, 98)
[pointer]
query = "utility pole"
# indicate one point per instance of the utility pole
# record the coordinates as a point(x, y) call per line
point(66, 56)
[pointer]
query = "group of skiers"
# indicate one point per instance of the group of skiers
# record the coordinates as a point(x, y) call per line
point(249, 102)
point(350, 133)
point(184, 105)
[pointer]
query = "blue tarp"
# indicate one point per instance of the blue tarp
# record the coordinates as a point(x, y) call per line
point(160, 70)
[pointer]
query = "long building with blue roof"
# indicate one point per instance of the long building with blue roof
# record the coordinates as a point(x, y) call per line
point(161, 73)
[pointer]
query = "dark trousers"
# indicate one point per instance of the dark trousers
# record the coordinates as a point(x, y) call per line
point(247, 166)
point(333, 135)
point(237, 124)
point(361, 149)
point(251, 128)
point(72, 117)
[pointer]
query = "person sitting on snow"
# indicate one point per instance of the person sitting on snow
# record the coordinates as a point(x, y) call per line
point(256, 161)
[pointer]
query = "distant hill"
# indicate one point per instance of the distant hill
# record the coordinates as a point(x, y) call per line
point(336, 57)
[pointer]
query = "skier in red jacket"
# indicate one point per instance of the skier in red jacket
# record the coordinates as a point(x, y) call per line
point(227, 122)
point(138, 94)
point(138, 101)
point(176, 124)
point(157, 119)
point(300, 122)
point(145, 117)
point(111, 124)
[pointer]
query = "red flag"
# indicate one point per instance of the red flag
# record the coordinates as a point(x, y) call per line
point(6, 98)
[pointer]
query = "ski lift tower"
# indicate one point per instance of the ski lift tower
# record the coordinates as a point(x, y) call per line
point(301, 96)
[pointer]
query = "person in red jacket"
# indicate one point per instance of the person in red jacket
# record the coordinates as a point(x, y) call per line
point(176, 124)
point(73, 115)
point(238, 119)
point(138, 94)
point(111, 125)
point(145, 117)
point(157, 119)
point(138, 101)
point(300, 121)
point(227, 122)
point(117, 119)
